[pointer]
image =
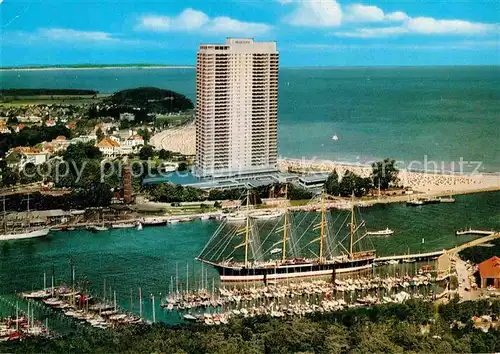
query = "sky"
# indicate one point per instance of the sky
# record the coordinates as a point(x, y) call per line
point(308, 32)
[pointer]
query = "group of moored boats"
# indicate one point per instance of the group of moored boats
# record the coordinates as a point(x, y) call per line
point(16, 328)
point(296, 298)
point(82, 307)
point(429, 200)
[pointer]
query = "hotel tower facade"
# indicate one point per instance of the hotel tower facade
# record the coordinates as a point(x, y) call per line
point(236, 108)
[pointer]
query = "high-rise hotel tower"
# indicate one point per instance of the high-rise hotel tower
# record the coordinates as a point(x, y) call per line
point(236, 108)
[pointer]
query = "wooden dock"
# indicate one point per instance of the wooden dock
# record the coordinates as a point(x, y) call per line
point(474, 232)
point(475, 242)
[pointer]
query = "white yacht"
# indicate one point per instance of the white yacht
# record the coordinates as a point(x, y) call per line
point(385, 232)
point(26, 231)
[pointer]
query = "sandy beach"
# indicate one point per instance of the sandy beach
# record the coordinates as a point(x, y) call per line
point(182, 140)
point(430, 183)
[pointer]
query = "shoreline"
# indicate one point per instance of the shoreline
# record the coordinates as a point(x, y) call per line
point(99, 67)
point(427, 183)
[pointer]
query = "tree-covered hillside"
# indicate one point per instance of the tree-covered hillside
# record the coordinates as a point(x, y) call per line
point(154, 100)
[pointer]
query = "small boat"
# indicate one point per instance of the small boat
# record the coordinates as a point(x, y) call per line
point(266, 215)
point(173, 221)
point(415, 202)
point(189, 317)
point(335, 138)
point(96, 228)
point(449, 199)
point(276, 250)
point(204, 217)
point(139, 227)
point(154, 222)
point(385, 232)
point(234, 217)
point(124, 225)
point(24, 234)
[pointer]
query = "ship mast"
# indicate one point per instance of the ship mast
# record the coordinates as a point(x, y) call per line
point(353, 226)
point(247, 229)
point(285, 227)
point(4, 215)
point(322, 228)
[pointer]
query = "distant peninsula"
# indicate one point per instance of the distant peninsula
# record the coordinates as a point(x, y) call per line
point(93, 66)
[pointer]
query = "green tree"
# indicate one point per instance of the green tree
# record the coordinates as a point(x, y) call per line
point(99, 134)
point(146, 152)
point(332, 183)
point(183, 166)
point(165, 154)
point(384, 173)
point(146, 135)
point(352, 183)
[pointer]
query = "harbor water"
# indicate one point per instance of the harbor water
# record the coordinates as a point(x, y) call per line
point(406, 113)
point(152, 259)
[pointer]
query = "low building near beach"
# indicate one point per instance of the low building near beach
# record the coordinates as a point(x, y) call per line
point(489, 272)
point(127, 116)
point(109, 147)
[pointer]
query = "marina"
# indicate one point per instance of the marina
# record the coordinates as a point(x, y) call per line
point(150, 261)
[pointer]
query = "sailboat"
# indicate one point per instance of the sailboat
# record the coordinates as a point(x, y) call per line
point(24, 232)
point(97, 228)
point(254, 268)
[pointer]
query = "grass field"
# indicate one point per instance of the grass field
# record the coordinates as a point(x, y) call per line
point(19, 101)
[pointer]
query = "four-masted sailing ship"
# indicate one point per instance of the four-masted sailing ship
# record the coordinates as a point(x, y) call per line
point(333, 257)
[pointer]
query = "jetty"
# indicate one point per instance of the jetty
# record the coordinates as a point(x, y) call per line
point(415, 256)
point(475, 242)
point(474, 232)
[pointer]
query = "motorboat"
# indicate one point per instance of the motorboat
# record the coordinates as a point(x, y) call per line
point(124, 225)
point(266, 214)
point(385, 232)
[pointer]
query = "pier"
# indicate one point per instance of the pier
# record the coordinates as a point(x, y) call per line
point(475, 242)
point(416, 256)
point(474, 232)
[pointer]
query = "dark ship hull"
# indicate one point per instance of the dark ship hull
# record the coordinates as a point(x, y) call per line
point(271, 272)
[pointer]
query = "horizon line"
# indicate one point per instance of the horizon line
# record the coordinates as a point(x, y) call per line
point(193, 66)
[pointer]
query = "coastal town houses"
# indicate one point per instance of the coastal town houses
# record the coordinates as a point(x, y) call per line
point(50, 123)
point(127, 116)
point(58, 144)
point(29, 119)
point(134, 141)
point(19, 127)
point(109, 147)
point(29, 154)
point(85, 139)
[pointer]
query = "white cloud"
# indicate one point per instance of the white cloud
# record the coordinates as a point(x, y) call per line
point(316, 13)
point(428, 25)
point(65, 34)
point(71, 37)
point(363, 13)
point(187, 20)
point(374, 32)
point(463, 45)
point(396, 16)
point(423, 26)
point(328, 13)
point(226, 25)
point(191, 20)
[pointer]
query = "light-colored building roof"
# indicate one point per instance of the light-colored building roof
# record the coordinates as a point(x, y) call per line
point(136, 137)
point(107, 142)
